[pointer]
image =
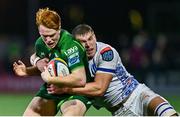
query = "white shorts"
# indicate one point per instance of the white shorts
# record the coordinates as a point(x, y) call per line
point(137, 103)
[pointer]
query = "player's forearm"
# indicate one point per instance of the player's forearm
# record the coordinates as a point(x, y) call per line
point(69, 81)
point(96, 88)
point(32, 70)
point(90, 89)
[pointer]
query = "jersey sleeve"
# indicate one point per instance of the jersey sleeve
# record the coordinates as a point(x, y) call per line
point(107, 60)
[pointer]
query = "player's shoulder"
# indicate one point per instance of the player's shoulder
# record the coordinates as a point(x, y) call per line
point(69, 43)
point(105, 51)
point(65, 35)
point(39, 41)
point(68, 38)
point(103, 47)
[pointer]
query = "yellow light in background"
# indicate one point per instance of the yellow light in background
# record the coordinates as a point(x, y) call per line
point(76, 14)
point(136, 19)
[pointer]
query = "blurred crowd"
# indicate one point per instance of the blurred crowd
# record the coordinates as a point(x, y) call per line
point(149, 56)
point(144, 54)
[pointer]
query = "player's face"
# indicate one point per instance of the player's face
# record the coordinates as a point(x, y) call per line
point(50, 36)
point(88, 40)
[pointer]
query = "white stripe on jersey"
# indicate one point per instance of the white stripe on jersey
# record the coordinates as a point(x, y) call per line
point(122, 83)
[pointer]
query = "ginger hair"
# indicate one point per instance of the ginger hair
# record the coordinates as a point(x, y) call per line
point(48, 18)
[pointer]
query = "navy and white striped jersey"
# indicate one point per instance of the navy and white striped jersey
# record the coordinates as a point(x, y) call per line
point(107, 60)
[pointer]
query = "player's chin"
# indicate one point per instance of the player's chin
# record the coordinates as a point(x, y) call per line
point(90, 53)
point(49, 92)
point(51, 45)
point(90, 56)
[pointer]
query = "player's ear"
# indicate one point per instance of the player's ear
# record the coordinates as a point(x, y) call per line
point(59, 30)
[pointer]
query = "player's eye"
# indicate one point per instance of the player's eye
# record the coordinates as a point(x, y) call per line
point(90, 38)
point(83, 43)
point(51, 35)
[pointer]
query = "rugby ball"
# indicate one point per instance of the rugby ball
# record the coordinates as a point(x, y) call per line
point(57, 67)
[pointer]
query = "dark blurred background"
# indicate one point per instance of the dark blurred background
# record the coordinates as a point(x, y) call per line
point(146, 34)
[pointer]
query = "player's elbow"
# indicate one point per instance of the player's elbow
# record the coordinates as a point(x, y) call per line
point(99, 91)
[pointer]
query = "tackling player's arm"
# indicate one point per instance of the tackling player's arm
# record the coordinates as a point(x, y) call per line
point(96, 88)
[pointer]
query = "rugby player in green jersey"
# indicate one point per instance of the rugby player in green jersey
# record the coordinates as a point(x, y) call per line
point(56, 42)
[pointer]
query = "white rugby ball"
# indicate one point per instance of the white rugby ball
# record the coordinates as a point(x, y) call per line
point(58, 67)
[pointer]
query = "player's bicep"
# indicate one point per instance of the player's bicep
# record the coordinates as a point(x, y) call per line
point(103, 80)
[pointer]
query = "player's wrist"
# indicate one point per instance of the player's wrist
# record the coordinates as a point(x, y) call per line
point(34, 59)
point(26, 72)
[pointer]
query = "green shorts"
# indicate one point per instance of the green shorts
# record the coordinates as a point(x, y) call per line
point(60, 99)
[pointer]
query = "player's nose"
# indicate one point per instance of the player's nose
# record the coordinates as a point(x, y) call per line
point(87, 45)
point(48, 39)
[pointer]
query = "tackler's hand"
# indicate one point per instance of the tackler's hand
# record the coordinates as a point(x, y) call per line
point(54, 89)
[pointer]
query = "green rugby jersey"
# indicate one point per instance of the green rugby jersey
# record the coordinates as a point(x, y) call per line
point(68, 49)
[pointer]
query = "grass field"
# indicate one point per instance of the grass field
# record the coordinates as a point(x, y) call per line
point(15, 104)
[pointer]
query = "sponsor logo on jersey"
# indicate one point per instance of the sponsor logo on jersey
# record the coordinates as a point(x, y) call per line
point(107, 54)
point(70, 51)
point(73, 59)
point(72, 55)
point(42, 54)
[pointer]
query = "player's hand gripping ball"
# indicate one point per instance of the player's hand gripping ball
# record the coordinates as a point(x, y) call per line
point(57, 67)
